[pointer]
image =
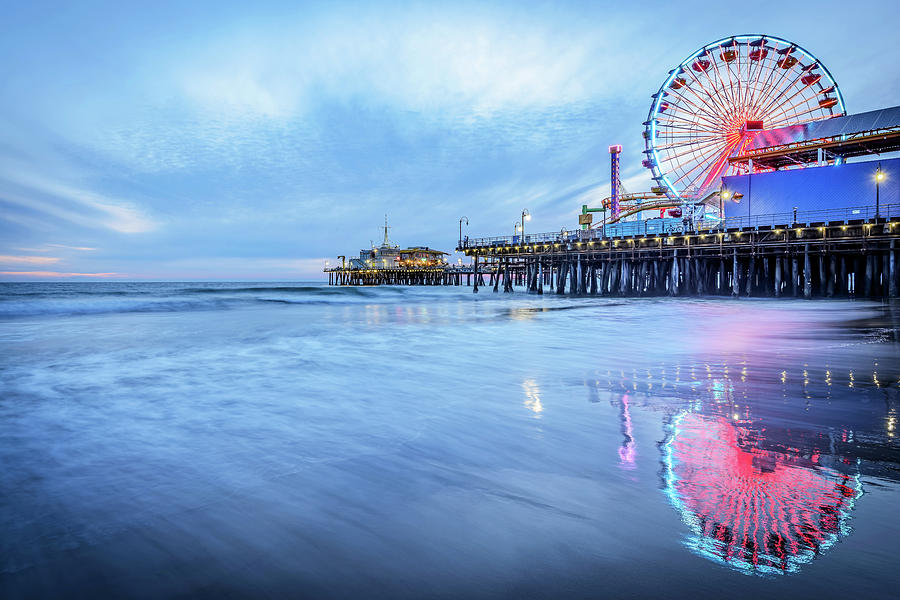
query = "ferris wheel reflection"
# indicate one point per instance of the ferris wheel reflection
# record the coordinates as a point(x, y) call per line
point(756, 509)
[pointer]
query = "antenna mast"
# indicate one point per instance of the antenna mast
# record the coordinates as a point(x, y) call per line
point(386, 241)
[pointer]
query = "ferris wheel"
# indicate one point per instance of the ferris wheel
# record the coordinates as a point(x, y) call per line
point(712, 104)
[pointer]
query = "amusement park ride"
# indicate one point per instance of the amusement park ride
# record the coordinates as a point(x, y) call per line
point(707, 111)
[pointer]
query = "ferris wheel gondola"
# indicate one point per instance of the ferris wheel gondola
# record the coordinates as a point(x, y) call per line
point(712, 104)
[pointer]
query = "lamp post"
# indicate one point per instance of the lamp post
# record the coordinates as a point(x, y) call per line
point(516, 230)
point(526, 216)
point(879, 177)
point(749, 194)
point(724, 195)
point(461, 219)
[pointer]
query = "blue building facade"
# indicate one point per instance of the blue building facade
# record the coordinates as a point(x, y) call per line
point(849, 185)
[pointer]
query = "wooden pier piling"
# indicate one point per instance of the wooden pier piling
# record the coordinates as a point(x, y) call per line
point(820, 260)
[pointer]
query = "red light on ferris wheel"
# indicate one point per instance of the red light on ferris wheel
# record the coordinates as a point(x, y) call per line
point(753, 126)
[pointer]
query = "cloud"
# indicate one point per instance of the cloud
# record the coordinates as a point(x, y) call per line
point(54, 247)
point(236, 268)
point(74, 204)
point(304, 93)
point(30, 260)
point(593, 196)
point(476, 65)
point(64, 247)
point(44, 274)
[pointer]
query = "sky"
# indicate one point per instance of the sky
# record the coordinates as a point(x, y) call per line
point(254, 140)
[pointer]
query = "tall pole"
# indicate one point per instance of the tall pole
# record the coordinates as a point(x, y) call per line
point(614, 182)
point(749, 188)
point(461, 219)
point(749, 195)
point(878, 177)
point(525, 214)
point(724, 195)
point(721, 210)
point(386, 241)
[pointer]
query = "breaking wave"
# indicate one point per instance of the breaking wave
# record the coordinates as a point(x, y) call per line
point(30, 300)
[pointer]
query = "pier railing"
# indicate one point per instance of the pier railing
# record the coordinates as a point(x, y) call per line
point(669, 226)
point(443, 268)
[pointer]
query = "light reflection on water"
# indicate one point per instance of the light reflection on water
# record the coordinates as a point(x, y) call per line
point(267, 441)
point(760, 511)
point(760, 491)
point(627, 452)
point(533, 397)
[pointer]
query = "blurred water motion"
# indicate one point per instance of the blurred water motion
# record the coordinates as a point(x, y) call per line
point(273, 440)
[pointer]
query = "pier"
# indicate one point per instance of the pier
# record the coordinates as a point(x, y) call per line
point(439, 275)
point(816, 254)
point(389, 264)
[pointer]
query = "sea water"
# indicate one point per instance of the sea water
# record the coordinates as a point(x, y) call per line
point(297, 440)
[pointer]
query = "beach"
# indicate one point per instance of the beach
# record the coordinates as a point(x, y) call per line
point(213, 440)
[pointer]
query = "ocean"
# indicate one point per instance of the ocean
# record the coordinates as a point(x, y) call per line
point(273, 440)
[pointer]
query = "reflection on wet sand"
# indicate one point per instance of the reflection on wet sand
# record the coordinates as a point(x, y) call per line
point(532, 396)
point(627, 451)
point(758, 510)
point(764, 475)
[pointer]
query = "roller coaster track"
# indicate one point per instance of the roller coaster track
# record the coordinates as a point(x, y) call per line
point(656, 202)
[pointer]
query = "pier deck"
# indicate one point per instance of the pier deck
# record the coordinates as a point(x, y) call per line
point(850, 252)
point(440, 275)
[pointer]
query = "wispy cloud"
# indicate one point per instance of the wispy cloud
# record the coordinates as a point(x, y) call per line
point(29, 260)
point(264, 97)
point(58, 274)
point(78, 248)
point(72, 203)
point(236, 268)
point(53, 248)
point(475, 64)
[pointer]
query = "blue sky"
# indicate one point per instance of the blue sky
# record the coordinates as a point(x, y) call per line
point(253, 140)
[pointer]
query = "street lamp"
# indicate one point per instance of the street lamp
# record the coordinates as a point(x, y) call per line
point(879, 177)
point(526, 216)
point(461, 219)
point(724, 195)
point(516, 230)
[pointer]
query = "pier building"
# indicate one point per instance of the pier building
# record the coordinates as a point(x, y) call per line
point(389, 264)
point(390, 257)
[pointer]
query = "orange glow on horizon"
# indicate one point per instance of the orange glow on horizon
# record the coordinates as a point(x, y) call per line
point(58, 274)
